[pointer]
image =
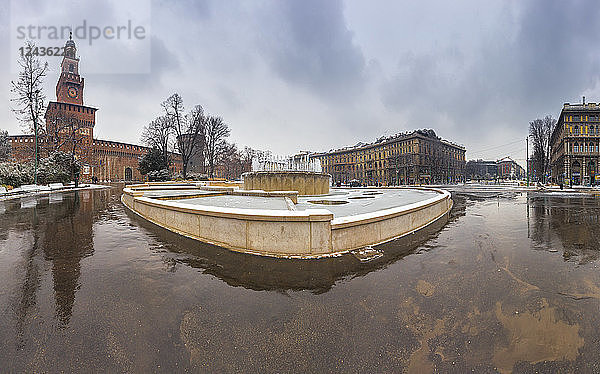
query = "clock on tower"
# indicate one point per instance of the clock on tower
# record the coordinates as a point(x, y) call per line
point(72, 92)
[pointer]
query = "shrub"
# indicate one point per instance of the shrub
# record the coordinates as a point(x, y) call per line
point(57, 168)
point(159, 175)
point(15, 174)
point(197, 177)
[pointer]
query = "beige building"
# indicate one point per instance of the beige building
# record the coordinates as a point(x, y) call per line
point(418, 157)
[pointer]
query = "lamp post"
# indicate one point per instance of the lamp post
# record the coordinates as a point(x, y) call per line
point(527, 158)
point(35, 130)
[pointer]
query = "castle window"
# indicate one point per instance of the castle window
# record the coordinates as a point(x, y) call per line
point(71, 68)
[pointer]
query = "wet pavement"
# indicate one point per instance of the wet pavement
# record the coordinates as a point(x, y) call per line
point(508, 283)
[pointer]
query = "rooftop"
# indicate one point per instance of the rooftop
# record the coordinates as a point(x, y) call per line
point(427, 133)
point(581, 106)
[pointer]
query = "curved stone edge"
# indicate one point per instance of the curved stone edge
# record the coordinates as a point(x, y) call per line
point(312, 233)
point(357, 232)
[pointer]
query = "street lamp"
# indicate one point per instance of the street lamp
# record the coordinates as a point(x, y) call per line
point(35, 130)
point(527, 158)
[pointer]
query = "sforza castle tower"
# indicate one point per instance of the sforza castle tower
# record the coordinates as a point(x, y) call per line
point(70, 128)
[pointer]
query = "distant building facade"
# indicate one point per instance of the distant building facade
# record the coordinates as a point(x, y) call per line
point(481, 170)
point(418, 157)
point(509, 169)
point(574, 154)
point(70, 128)
point(196, 163)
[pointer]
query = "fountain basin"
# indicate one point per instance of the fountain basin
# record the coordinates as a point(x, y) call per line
point(277, 228)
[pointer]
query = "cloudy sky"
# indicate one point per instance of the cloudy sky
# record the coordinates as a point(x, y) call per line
point(315, 75)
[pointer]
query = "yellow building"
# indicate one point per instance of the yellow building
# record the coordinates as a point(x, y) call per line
point(574, 155)
point(418, 157)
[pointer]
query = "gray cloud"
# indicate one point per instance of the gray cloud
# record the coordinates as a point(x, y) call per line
point(290, 75)
point(163, 62)
point(541, 55)
point(556, 50)
point(309, 44)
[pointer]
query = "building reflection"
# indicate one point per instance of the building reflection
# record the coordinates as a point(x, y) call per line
point(68, 238)
point(567, 224)
point(54, 235)
point(30, 285)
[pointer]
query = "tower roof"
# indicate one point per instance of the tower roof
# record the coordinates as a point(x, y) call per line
point(70, 42)
point(70, 48)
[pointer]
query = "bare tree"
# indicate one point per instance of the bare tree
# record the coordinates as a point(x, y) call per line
point(69, 134)
point(28, 96)
point(550, 124)
point(247, 155)
point(230, 161)
point(61, 131)
point(215, 145)
point(197, 133)
point(157, 134)
point(188, 129)
point(540, 131)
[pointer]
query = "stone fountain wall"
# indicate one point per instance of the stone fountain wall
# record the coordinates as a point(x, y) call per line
point(310, 233)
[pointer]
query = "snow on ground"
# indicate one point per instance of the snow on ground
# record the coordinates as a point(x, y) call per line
point(36, 190)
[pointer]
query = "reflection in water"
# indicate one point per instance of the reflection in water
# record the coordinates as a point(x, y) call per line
point(31, 281)
point(68, 239)
point(58, 235)
point(264, 273)
point(568, 224)
point(86, 286)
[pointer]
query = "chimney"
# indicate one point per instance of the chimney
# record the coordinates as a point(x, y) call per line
point(584, 100)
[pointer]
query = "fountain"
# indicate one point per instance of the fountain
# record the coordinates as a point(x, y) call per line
point(287, 210)
point(298, 173)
